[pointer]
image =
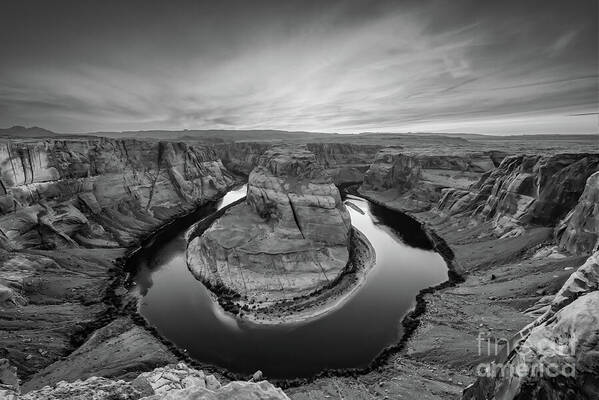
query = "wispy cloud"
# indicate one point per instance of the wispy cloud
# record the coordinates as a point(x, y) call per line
point(393, 70)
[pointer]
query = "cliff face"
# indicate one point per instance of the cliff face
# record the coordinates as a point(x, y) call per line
point(344, 162)
point(68, 210)
point(393, 169)
point(99, 193)
point(537, 190)
point(578, 233)
point(289, 238)
point(556, 356)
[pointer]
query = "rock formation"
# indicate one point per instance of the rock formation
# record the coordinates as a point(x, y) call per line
point(99, 193)
point(170, 382)
point(578, 233)
point(345, 162)
point(392, 169)
point(524, 190)
point(557, 356)
point(68, 210)
point(289, 238)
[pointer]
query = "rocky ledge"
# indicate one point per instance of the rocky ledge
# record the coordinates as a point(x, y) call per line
point(169, 382)
point(290, 238)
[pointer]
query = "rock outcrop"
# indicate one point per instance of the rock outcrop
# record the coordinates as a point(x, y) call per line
point(392, 169)
point(524, 190)
point(170, 382)
point(578, 233)
point(68, 210)
point(289, 238)
point(556, 356)
point(99, 193)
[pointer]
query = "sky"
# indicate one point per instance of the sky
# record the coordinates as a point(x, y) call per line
point(500, 67)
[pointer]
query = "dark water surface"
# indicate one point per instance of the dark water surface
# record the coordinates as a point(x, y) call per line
point(350, 336)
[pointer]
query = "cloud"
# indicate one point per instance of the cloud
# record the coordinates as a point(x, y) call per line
point(330, 70)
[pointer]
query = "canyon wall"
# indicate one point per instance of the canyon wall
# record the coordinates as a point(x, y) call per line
point(289, 238)
point(99, 193)
point(578, 233)
point(393, 169)
point(524, 190)
point(69, 209)
point(344, 162)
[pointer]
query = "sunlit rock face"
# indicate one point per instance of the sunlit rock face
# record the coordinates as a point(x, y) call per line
point(557, 355)
point(525, 190)
point(99, 193)
point(288, 238)
point(578, 233)
point(392, 169)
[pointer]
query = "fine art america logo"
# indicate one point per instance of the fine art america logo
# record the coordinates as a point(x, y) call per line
point(547, 359)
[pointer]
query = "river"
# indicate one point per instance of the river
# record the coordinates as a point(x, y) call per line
point(350, 336)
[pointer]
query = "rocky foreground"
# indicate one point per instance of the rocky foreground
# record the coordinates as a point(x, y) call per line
point(289, 239)
point(172, 382)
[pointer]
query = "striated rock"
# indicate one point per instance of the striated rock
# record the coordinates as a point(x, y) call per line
point(289, 238)
point(578, 233)
point(392, 169)
point(56, 193)
point(556, 356)
point(344, 162)
point(525, 190)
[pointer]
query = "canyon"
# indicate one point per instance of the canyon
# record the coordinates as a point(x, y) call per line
point(289, 239)
point(520, 233)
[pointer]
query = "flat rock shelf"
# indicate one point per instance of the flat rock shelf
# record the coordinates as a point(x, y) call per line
point(350, 335)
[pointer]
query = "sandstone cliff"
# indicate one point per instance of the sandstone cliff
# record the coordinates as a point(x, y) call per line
point(393, 169)
point(344, 162)
point(289, 238)
point(578, 233)
point(523, 190)
point(99, 193)
point(68, 210)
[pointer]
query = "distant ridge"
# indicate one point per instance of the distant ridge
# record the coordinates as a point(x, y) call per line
point(21, 132)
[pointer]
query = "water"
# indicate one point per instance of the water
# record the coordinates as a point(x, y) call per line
point(350, 336)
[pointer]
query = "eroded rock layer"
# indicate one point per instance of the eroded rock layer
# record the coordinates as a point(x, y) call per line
point(99, 193)
point(68, 210)
point(392, 169)
point(523, 190)
point(289, 238)
point(579, 231)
